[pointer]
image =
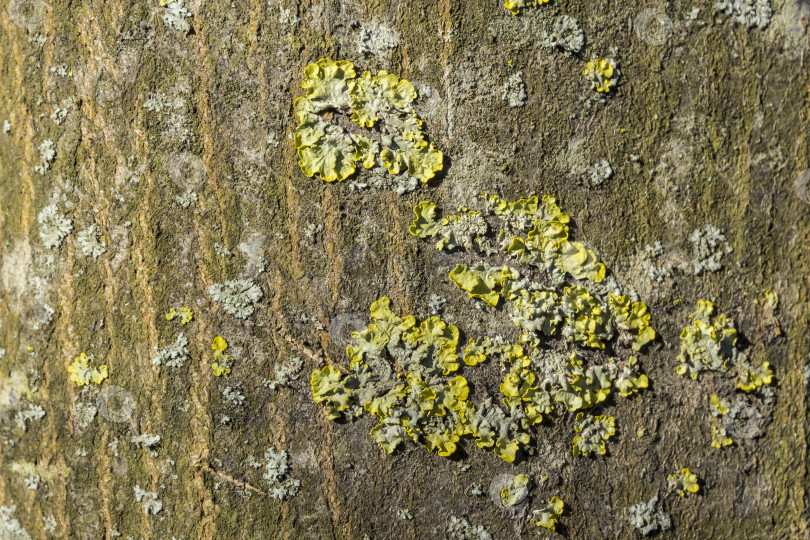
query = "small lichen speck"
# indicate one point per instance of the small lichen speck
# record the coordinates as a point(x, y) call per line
point(284, 374)
point(149, 498)
point(88, 240)
point(514, 91)
point(600, 171)
point(32, 482)
point(53, 226)
point(460, 529)
point(175, 16)
point(710, 246)
point(234, 395)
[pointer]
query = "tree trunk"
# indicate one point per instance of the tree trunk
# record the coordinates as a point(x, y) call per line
point(708, 125)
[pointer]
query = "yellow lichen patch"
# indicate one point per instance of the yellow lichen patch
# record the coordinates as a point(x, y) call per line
point(420, 401)
point(627, 381)
point(685, 482)
point(707, 343)
point(328, 387)
point(476, 352)
point(222, 361)
point(719, 408)
point(632, 317)
point(720, 437)
point(752, 378)
point(516, 5)
point(82, 373)
point(383, 102)
point(185, 314)
point(602, 74)
point(480, 281)
point(548, 517)
point(425, 224)
point(593, 432)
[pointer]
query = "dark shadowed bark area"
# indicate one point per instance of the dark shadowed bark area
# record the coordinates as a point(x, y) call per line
point(178, 146)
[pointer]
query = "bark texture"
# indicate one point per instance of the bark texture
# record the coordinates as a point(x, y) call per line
point(709, 126)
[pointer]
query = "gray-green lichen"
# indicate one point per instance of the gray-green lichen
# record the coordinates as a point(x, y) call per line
point(234, 395)
point(749, 13)
point(567, 35)
point(276, 467)
point(90, 243)
point(376, 40)
point(284, 374)
point(237, 296)
point(32, 482)
point(600, 171)
point(85, 414)
point(174, 355)
point(145, 440)
point(710, 245)
point(436, 304)
point(46, 155)
point(29, 414)
point(186, 199)
point(645, 517)
point(649, 255)
point(460, 529)
point(53, 226)
point(514, 90)
point(151, 505)
point(9, 525)
point(175, 16)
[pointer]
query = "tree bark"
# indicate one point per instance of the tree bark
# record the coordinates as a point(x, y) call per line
point(708, 124)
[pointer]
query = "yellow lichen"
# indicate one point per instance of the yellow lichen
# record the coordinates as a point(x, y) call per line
point(82, 373)
point(185, 314)
point(222, 361)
